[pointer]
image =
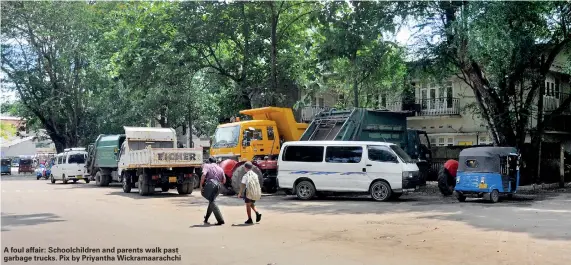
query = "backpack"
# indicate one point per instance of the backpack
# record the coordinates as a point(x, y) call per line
point(253, 190)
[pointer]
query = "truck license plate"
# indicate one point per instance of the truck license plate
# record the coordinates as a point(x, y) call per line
point(483, 186)
point(79, 177)
point(172, 179)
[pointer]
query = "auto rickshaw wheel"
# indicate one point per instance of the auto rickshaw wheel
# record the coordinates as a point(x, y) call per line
point(460, 196)
point(495, 196)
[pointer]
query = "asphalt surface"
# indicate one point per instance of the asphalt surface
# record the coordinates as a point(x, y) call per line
point(417, 229)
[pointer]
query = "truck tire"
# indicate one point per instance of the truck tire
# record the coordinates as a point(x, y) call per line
point(240, 172)
point(127, 184)
point(196, 179)
point(145, 188)
point(186, 187)
point(446, 182)
point(101, 180)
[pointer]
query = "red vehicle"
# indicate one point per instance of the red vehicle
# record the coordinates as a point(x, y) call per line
point(26, 166)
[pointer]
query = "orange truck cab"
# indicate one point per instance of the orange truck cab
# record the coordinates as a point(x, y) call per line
point(257, 140)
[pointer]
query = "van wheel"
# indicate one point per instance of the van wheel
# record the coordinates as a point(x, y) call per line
point(305, 190)
point(495, 196)
point(381, 191)
point(52, 179)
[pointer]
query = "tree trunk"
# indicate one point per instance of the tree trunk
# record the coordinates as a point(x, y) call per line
point(539, 131)
point(190, 143)
point(274, 48)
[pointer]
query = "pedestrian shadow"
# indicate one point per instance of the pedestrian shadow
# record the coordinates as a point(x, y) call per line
point(15, 220)
point(157, 195)
point(201, 225)
point(243, 225)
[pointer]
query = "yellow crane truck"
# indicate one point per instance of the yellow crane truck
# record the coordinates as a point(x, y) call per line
point(257, 140)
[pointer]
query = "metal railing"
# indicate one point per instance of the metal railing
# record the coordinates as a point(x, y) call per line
point(552, 101)
point(439, 106)
point(307, 113)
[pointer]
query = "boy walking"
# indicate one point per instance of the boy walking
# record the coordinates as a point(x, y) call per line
point(251, 191)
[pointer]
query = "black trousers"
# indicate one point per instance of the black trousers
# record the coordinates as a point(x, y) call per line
point(211, 191)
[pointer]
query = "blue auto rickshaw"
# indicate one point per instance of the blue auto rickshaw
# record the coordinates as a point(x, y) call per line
point(487, 172)
point(6, 166)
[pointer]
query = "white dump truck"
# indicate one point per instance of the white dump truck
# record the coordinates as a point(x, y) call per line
point(149, 159)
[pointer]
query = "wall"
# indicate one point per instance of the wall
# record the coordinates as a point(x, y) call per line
point(25, 147)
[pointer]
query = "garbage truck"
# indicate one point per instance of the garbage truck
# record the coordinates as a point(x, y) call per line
point(360, 124)
point(257, 140)
point(149, 159)
point(102, 158)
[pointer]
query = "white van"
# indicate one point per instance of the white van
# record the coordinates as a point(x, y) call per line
point(70, 165)
point(383, 170)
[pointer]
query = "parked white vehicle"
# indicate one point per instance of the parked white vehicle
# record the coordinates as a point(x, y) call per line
point(383, 170)
point(70, 166)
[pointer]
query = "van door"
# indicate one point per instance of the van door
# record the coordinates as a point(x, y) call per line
point(382, 163)
point(55, 167)
point(346, 165)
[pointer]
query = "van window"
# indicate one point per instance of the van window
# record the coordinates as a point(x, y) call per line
point(76, 159)
point(380, 153)
point(343, 154)
point(303, 153)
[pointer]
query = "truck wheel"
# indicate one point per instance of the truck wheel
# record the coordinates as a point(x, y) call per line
point(185, 188)
point(165, 188)
point(145, 188)
point(196, 179)
point(127, 184)
point(105, 180)
point(86, 180)
point(227, 191)
point(99, 181)
point(444, 179)
point(240, 172)
point(64, 180)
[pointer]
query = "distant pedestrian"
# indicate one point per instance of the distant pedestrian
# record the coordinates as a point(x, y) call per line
point(212, 178)
point(251, 191)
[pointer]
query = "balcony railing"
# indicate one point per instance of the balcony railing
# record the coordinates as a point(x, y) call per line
point(553, 101)
point(427, 107)
point(307, 113)
point(439, 106)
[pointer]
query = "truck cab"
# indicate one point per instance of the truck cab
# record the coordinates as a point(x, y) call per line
point(258, 140)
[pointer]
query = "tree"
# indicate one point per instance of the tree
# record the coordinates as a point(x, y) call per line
point(45, 56)
point(354, 51)
point(503, 51)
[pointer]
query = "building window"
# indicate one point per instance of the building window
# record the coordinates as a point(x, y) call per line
point(450, 141)
point(441, 141)
point(484, 140)
point(321, 102)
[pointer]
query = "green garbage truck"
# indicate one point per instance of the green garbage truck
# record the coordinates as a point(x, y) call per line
point(102, 159)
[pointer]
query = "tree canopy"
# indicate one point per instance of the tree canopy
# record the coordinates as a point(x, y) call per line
point(84, 68)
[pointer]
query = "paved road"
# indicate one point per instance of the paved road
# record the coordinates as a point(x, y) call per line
point(418, 229)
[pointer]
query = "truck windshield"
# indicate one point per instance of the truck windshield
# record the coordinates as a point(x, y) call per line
point(402, 154)
point(226, 137)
